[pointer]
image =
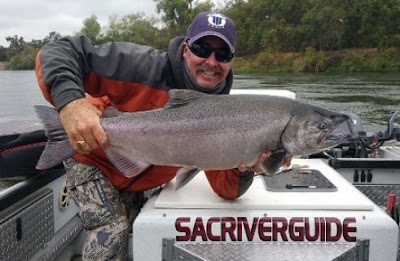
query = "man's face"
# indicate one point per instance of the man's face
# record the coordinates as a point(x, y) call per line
point(208, 71)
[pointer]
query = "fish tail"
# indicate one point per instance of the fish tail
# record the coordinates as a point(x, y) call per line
point(57, 148)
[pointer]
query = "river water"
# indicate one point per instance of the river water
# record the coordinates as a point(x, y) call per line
point(371, 96)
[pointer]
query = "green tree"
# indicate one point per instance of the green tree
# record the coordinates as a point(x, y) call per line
point(51, 37)
point(3, 54)
point(178, 14)
point(323, 25)
point(134, 28)
point(352, 25)
point(24, 60)
point(17, 44)
point(249, 17)
point(20, 54)
point(91, 28)
point(267, 24)
point(380, 21)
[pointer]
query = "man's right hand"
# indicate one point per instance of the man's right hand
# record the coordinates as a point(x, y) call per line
point(81, 121)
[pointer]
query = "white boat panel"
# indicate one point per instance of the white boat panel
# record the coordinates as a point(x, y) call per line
point(198, 194)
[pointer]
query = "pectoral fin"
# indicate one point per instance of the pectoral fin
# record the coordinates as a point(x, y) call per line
point(125, 162)
point(184, 175)
point(272, 164)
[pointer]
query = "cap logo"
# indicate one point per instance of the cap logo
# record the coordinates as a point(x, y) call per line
point(216, 20)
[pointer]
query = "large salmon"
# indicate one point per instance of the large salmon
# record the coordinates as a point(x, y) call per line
point(198, 131)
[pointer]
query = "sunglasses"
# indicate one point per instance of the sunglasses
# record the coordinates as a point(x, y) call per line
point(204, 50)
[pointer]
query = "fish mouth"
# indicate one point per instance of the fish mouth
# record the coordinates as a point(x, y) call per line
point(340, 133)
point(338, 137)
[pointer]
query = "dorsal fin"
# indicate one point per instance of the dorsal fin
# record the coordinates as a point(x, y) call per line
point(111, 112)
point(179, 97)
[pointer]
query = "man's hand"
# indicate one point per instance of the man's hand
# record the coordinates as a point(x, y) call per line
point(81, 121)
point(266, 154)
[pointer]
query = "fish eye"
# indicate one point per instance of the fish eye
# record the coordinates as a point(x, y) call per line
point(323, 126)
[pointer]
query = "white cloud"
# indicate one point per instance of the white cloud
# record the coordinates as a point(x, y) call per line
point(36, 19)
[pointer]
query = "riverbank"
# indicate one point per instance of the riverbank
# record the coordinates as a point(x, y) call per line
point(312, 61)
point(2, 65)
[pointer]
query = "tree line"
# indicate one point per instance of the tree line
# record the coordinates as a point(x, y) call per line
point(324, 25)
point(262, 25)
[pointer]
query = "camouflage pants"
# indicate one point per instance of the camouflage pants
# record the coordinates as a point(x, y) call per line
point(107, 213)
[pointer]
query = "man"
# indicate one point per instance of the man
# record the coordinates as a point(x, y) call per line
point(129, 77)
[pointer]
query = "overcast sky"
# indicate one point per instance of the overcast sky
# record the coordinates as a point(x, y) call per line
point(35, 19)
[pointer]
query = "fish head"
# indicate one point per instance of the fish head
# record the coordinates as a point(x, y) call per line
point(313, 129)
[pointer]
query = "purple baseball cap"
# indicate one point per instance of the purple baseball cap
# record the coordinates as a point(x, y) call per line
point(211, 23)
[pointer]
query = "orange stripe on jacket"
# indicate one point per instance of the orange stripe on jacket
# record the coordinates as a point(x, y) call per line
point(126, 96)
point(39, 76)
